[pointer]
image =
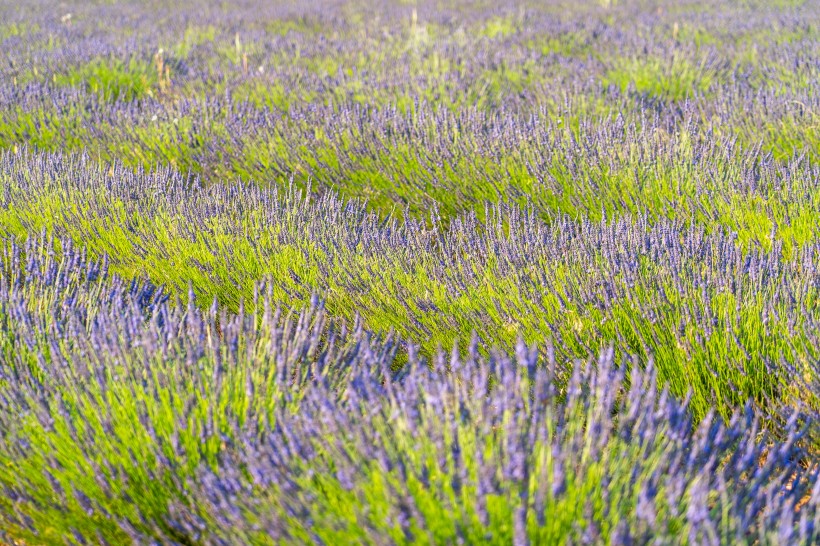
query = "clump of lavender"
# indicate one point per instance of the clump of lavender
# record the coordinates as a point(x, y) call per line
point(127, 416)
point(728, 321)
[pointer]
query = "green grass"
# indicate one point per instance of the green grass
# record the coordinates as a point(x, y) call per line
point(114, 79)
point(672, 79)
point(193, 38)
point(498, 27)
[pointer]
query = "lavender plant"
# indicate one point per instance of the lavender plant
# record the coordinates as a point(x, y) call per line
point(727, 323)
point(606, 211)
point(125, 416)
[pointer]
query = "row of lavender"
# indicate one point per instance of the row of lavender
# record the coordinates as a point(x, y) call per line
point(417, 47)
point(725, 322)
point(124, 415)
point(659, 164)
point(263, 92)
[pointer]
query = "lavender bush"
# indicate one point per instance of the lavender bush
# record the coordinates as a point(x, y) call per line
point(127, 416)
point(727, 323)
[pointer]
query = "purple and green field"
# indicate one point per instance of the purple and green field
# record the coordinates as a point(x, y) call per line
point(409, 272)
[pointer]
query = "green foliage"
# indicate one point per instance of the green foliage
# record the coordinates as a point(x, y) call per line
point(498, 27)
point(569, 44)
point(668, 79)
point(17, 28)
point(43, 130)
point(114, 79)
point(193, 38)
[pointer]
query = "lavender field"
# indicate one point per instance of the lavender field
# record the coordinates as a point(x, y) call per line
point(409, 272)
